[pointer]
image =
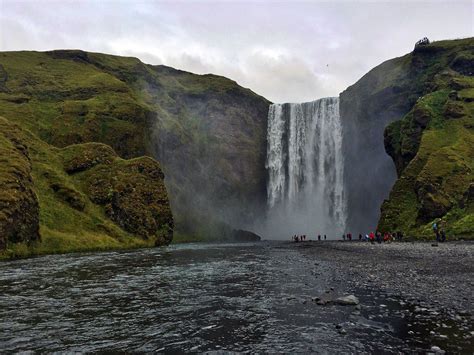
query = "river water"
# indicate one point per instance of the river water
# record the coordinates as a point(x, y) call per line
point(192, 297)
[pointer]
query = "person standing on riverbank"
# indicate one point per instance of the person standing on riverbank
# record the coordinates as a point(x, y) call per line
point(379, 237)
point(436, 230)
point(372, 237)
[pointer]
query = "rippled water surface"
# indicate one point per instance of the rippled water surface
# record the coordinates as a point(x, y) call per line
point(240, 297)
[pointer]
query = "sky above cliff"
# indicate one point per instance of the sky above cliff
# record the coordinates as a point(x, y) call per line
point(285, 51)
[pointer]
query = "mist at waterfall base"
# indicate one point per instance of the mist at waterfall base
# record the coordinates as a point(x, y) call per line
point(305, 165)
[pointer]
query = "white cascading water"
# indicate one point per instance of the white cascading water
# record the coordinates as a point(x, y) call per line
point(305, 165)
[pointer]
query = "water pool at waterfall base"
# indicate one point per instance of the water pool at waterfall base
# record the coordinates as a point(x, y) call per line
point(252, 297)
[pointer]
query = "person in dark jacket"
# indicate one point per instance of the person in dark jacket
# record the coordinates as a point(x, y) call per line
point(443, 235)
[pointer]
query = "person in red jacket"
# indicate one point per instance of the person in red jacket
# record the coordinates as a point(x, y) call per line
point(372, 237)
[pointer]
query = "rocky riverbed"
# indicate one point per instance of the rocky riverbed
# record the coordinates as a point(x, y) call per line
point(428, 288)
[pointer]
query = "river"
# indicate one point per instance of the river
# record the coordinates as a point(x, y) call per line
point(189, 297)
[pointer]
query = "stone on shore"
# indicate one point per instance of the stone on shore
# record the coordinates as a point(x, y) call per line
point(349, 300)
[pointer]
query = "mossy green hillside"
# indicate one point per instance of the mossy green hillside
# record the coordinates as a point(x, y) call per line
point(194, 125)
point(433, 149)
point(68, 216)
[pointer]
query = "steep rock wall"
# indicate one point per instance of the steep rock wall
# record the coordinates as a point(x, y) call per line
point(382, 98)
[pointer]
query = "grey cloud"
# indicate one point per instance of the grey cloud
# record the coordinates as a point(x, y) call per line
point(283, 51)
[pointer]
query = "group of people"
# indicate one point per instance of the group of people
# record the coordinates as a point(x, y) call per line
point(378, 237)
point(302, 238)
point(299, 238)
point(372, 237)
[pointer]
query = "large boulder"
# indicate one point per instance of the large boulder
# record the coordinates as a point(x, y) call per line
point(132, 191)
point(240, 235)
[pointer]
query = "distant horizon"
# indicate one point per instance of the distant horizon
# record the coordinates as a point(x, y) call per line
point(285, 52)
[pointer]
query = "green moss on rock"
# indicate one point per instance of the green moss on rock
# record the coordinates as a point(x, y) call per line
point(134, 197)
point(19, 209)
point(433, 149)
point(82, 157)
point(40, 197)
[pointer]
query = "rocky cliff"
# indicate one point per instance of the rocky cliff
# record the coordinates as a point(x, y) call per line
point(81, 197)
point(419, 108)
point(207, 132)
point(19, 209)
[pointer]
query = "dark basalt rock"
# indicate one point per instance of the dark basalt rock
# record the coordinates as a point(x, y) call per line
point(454, 109)
point(240, 235)
point(70, 54)
point(464, 64)
point(433, 206)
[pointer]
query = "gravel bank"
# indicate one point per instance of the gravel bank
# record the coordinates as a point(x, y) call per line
point(442, 275)
point(430, 287)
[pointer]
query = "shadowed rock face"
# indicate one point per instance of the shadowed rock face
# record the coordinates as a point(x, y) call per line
point(366, 108)
point(212, 146)
point(19, 209)
point(244, 236)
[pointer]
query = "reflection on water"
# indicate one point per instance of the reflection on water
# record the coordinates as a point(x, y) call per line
point(241, 297)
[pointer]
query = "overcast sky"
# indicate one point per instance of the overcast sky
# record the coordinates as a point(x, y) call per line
point(285, 51)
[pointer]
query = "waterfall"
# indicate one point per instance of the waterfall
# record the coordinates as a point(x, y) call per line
point(305, 169)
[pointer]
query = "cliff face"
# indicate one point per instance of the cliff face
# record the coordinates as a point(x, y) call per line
point(419, 108)
point(77, 198)
point(210, 136)
point(366, 108)
point(208, 133)
point(19, 210)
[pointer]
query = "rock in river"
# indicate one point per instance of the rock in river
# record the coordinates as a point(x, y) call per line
point(347, 300)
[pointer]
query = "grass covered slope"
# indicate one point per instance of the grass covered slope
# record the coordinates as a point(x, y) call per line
point(56, 191)
point(65, 100)
point(433, 146)
point(205, 130)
